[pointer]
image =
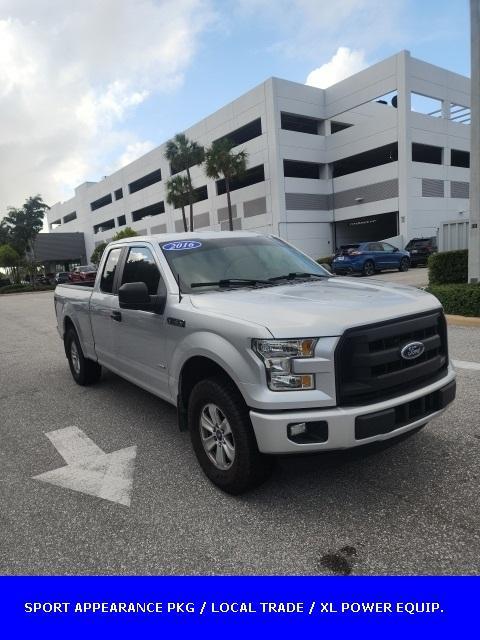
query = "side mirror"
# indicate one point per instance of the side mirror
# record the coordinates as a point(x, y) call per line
point(396, 249)
point(134, 295)
point(326, 266)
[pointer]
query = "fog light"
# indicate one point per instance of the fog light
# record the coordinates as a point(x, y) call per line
point(296, 429)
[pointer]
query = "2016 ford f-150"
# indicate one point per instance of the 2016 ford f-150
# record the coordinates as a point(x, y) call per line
point(262, 350)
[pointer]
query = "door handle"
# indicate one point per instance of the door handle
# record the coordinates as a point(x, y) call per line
point(116, 315)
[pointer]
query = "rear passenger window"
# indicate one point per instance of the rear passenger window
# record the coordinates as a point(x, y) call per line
point(141, 267)
point(108, 274)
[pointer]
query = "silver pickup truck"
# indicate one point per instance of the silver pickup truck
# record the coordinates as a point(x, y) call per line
point(261, 349)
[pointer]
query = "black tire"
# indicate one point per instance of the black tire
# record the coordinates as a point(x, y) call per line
point(368, 268)
point(404, 264)
point(249, 467)
point(84, 371)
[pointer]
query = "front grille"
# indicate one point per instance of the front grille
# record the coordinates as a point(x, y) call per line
point(369, 367)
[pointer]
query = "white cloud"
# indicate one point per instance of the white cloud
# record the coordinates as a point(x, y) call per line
point(312, 29)
point(344, 63)
point(132, 151)
point(70, 75)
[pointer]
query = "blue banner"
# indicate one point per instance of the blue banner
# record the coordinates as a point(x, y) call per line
point(91, 607)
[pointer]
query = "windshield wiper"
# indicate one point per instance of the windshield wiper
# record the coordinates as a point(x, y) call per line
point(227, 282)
point(297, 274)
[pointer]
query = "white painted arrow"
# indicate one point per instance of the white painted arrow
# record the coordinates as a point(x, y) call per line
point(89, 469)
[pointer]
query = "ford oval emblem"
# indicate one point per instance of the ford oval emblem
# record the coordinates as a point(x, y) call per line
point(412, 350)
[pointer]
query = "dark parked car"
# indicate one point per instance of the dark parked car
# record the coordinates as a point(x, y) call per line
point(85, 273)
point(62, 276)
point(369, 257)
point(421, 249)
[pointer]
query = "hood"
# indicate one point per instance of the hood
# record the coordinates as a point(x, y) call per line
point(318, 308)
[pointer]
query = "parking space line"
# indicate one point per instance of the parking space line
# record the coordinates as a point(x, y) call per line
point(465, 364)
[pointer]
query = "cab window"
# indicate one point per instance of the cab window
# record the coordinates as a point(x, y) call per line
point(388, 248)
point(108, 274)
point(141, 267)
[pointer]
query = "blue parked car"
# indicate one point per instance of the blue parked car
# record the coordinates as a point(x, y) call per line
point(369, 257)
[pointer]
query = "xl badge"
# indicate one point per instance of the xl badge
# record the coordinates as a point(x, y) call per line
point(412, 350)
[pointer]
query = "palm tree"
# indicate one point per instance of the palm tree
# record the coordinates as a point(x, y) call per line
point(220, 160)
point(178, 195)
point(182, 154)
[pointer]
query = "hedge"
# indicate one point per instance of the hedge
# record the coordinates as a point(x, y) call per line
point(21, 288)
point(327, 260)
point(458, 299)
point(448, 267)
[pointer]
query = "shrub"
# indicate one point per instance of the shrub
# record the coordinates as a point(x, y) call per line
point(458, 299)
point(448, 267)
point(327, 260)
point(20, 288)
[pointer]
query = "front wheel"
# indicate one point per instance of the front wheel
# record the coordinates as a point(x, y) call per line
point(404, 264)
point(223, 438)
point(368, 268)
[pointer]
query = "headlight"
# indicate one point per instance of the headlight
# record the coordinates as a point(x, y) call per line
point(277, 356)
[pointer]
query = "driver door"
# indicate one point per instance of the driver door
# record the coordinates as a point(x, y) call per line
point(139, 336)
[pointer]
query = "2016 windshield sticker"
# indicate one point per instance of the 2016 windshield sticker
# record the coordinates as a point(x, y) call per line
point(181, 245)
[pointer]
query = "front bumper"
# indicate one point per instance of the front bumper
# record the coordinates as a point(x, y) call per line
point(353, 426)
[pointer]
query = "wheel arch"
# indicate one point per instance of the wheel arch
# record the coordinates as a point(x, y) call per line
point(195, 369)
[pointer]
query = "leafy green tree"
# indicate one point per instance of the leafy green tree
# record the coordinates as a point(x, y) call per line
point(177, 195)
point(182, 154)
point(4, 232)
point(128, 232)
point(10, 260)
point(25, 224)
point(97, 254)
point(221, 161)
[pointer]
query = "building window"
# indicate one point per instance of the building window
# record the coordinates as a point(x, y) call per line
point(56, 223)
point(252, 176)
point(302, 124)
point(145, 181)
point(300, 169)
point(366, 160)
point(118, 193)
point(457, 159)
point(101, 202)
point(244, 134)
point(151, 210)
point(121, 220)
point(70, 217)
point(426, 153)
point(201, 193)
point(335, 126)
point(104, 226)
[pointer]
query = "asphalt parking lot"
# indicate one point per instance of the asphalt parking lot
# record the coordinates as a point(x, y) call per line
point(413, 508)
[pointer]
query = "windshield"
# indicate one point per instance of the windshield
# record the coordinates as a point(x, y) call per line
point(248, 258)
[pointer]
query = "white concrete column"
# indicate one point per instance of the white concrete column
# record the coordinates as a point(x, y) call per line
point(404, 142)
point(474, 239)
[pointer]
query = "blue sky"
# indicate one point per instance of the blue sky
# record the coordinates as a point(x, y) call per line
point(87, 86)
point(245, 53)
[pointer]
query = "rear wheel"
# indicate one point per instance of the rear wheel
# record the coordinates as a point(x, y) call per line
point(84, 370)
point(404, 264)
point(368, 268)
point(223, 438)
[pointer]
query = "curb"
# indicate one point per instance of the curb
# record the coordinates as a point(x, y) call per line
point(463, 321)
